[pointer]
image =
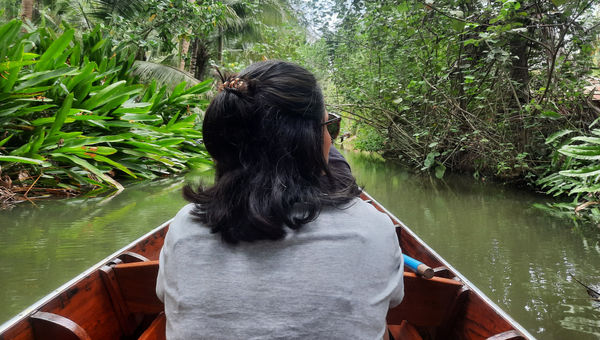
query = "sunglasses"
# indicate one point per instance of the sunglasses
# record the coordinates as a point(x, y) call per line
point(333, 125)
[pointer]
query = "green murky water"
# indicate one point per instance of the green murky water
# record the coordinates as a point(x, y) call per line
point(517, 255)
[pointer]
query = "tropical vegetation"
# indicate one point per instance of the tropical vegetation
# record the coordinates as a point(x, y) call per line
point(471, 86)
point(96, 92)
point(71, 111)
point(496, 89)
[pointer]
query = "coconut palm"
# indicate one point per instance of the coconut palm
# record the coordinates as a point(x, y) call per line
point(162, 49)
point(27, 9)
point(241, 26)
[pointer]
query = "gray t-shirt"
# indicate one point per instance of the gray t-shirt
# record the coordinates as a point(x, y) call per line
point(334, 278)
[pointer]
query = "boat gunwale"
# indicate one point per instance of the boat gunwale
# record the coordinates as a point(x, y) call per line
point(56, 292)
point(466, 281)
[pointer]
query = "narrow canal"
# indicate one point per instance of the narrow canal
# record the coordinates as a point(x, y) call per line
point(517, 255)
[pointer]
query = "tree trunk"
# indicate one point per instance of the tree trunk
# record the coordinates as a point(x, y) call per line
point(185, 47)
point(140, 54)
point(220, 42)
point(519, 72)
point(202, 56)
point(27, 9)
point(194, 57)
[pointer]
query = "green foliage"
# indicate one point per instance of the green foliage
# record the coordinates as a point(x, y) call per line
point(158, 25)
point(367, 139)
point(485, 82)
point(576, 171)
point(70, 111)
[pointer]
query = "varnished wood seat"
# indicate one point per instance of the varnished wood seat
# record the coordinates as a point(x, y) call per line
point(131, 287)
point(156, 330)
point(428, 303)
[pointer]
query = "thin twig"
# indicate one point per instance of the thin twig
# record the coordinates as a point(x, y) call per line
point(32, 184)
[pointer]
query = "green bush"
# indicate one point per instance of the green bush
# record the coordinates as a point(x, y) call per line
point(576, 171)
point(71, 113)
point(368, 139)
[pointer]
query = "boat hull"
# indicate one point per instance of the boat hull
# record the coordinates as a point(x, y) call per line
point(108, 302)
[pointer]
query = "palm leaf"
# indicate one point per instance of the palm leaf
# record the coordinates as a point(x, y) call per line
point(163, 74)
point(103, 9)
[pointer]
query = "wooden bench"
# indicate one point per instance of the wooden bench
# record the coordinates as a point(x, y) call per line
point(131, 287)
point(427, 303)
point(117, 301)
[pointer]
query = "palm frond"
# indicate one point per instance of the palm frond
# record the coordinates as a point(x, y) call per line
point(103, 9)
point(163, 74)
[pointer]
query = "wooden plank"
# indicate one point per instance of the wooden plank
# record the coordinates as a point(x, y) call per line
point(129, 256)
point(157, 329)
point(53, 326)
point(479, 321)
point(87, 304)
point(119, 306)
point(19, 331)
point(404, 331)
point(427, 302)
point(150, 247)
point(137, 282)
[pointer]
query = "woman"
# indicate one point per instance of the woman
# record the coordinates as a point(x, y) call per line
point(280, 247)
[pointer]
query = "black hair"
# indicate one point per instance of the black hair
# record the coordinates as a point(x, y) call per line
point(263, 130)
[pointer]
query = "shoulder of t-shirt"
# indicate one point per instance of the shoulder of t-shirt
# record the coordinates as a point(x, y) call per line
point(183, 222)
point(367, 212)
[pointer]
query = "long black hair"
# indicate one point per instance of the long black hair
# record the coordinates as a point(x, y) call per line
point(264, 132)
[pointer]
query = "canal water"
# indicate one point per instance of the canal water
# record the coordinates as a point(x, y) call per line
point(519, 256)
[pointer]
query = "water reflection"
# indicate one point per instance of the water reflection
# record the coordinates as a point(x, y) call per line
point(43, 247)
point(517, 255)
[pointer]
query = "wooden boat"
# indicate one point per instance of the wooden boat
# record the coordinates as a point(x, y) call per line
point(116, 299)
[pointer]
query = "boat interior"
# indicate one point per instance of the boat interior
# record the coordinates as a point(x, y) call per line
point(117, 300)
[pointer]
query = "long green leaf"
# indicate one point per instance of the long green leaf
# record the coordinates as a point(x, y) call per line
point(2, 142)
point(61, 115)
point(7, 82)
point(95, 140)
point(557, 135)
point(84, 73)
point(32, 109)
point(170, 141)
point(103, 95)
point(140, 117)
point(60, 138)
point(8, 32)
point(87, 166)
point(26, 160)
point(93, 150)
point(7, 65)
point(203, 87)
point(37, 142)
point(33, 79)
point(117, 165)
point(593, 140)
point(586, 152)
point(55, 50)
point(585, 189)
point(10, 111)
point(582, 172)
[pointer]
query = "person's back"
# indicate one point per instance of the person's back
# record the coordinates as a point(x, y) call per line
point(280, 246)
point(335, 278)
